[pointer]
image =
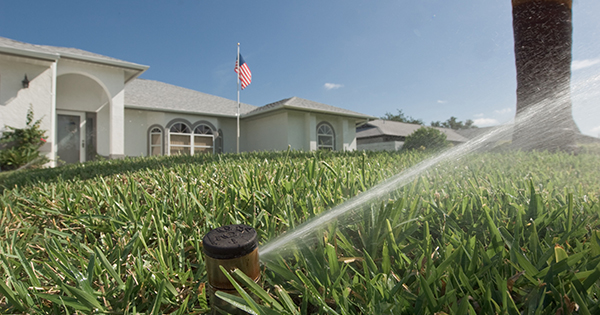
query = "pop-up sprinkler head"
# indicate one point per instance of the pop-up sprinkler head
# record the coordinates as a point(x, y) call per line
point(231, 246)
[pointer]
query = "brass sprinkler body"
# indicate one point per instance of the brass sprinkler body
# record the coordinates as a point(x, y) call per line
point(231, 246)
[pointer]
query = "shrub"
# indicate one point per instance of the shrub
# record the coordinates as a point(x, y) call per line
point(426, 138)
point(22, 145)
point(590, 148)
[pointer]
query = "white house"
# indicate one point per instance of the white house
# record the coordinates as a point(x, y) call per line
point(95, 105)
point(389, 135)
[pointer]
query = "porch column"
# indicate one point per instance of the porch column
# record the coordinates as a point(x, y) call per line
point(117, 126)
point(52, 132)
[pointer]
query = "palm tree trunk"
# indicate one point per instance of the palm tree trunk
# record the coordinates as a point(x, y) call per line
point(543, 39)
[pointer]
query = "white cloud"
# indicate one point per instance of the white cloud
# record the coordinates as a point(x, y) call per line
point(498, 115)
point(442, 101)
point(333, 86)
point(595, 130)
point(485, 122)
point(581, 64)
point(503, 111)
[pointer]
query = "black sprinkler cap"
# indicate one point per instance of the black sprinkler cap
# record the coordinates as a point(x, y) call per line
point(230, 241)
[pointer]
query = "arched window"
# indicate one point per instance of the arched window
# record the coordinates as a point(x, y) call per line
point(180, 139)
point(325, 137)
point(183, 139)
point(155, 141)
point(203, 139)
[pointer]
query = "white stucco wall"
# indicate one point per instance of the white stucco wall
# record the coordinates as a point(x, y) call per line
point(110, 133)
point(310, 131)
point(137, 123)
point(65, 85)
point(265, 133)
point(381, 146)
point(79, 93)
point(16, 100)
point(111, 79)
point(349, 135)
point(297, 135)
point(299, 130)
point(229, 126)
point(344, 129)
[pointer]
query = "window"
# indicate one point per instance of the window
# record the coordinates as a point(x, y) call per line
point(325, 137)
point(155, 139)
point(203, 139)
point(185, 140)
point(90, 137)
point(180, 136)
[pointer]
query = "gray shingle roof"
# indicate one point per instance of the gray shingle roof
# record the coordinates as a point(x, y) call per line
point(17, 46)
point(306, 105)
point(394, 128)
point(154, 95)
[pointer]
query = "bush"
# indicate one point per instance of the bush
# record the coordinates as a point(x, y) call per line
point(589, 148)
point(426, 138)
point(22, 146)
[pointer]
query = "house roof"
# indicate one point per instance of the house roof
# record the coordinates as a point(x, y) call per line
point(306, 105)
point(394, 128)
point(13, 47)
point(159, 96)
point(154, 95)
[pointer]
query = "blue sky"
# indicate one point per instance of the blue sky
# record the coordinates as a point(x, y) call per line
point(430, 58)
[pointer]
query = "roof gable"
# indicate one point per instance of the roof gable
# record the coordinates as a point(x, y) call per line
point(298, 103)
point(55, 53)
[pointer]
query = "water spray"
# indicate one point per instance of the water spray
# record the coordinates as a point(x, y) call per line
point(233, 247)
point(303, 234)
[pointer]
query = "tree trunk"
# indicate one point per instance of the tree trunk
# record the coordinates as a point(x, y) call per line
point(543, 39)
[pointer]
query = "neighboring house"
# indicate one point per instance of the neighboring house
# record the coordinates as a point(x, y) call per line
point(389, 135)
point(94, 105)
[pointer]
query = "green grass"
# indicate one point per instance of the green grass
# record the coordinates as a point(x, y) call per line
point(505, 233)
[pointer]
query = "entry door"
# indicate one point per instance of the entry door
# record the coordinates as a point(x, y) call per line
point(70, 136)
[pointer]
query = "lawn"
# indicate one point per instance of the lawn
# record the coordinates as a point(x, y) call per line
point(490, 233)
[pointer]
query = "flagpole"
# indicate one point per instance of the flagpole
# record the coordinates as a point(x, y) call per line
point(237, 65)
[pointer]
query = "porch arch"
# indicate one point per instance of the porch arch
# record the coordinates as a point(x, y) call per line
point(86, 95)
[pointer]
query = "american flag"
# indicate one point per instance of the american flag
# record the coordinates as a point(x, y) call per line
point(243, 72)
